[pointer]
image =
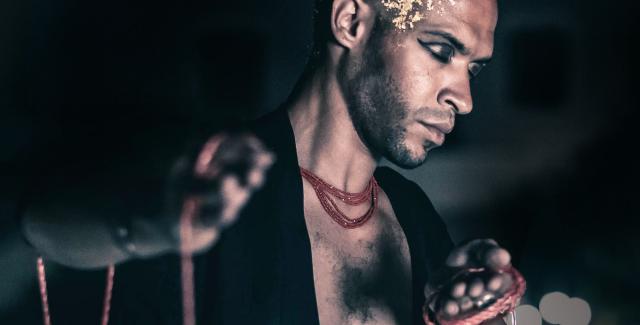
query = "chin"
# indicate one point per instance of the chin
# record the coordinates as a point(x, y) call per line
point(407, 158)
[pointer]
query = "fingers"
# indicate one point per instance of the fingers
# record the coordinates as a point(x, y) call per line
point(228, 169)
point(204, 167)
point(479, 253)
point(242, 156)
point(262, 161)
point(465, 304)
point(457, 258)
point(451, 308)
point(473, 280)
point(234, 197)
point(459, 290)
point(476, 288)
point(243, 162)
point(495, 283)
point(497, 258)
point(238, 154)
point(472, 292)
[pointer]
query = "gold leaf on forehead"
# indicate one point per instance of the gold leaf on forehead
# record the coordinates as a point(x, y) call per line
point(430, 5)
point(405, 12)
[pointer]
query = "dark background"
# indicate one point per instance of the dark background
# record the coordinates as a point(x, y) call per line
point(546, 163)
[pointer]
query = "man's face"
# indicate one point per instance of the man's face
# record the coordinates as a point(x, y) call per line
point(405, 88)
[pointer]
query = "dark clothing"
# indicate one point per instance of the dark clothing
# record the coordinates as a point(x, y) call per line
point(260, 272)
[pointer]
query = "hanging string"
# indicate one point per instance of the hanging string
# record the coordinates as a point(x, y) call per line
point(205, 169)
point(186, 263)
point(513, 317)
point(108, 291)
point(44, 296)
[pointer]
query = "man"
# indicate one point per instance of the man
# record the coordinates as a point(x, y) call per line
point(385, 81)
point(381, 88)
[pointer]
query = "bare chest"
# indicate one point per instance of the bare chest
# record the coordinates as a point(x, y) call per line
point(362, 275)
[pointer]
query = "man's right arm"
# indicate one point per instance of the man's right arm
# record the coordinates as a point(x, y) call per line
point(93, 223)
point(80, 228)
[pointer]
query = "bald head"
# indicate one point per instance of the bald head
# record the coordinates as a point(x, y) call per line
point(406, 14)
point(403, 15)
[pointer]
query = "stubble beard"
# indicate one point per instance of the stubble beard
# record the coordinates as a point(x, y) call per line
point(377, 109)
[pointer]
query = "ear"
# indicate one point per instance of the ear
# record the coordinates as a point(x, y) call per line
point(351, 22)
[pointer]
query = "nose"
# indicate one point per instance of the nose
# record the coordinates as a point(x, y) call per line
point(456, 94)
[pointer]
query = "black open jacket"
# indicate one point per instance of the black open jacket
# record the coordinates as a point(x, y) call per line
point(260, 272)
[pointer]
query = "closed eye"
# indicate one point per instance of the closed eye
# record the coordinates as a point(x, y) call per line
point(442, 52)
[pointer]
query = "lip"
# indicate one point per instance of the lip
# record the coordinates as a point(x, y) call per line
point(438, 137)
point(443, 127)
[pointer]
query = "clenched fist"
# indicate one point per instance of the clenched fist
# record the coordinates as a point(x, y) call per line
point(210, 191)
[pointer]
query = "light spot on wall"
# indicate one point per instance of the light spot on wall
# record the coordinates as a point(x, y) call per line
point(558, 308)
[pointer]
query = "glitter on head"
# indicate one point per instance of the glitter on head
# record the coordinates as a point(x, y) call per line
point(406, 13)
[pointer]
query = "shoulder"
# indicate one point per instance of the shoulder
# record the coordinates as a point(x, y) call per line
point(410, 192)
point(416, 212)
point(273, 128)
point(392, 177)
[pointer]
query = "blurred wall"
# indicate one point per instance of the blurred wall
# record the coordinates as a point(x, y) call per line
point(545, 163)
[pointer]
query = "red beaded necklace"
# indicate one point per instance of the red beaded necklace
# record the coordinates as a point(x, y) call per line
point(324, 190)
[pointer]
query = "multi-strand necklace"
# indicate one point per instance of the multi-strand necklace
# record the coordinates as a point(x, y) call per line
point(324, 191)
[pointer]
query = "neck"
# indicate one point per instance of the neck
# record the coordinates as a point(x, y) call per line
point(327, 143)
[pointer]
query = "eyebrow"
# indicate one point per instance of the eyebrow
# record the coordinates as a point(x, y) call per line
point(457, 44)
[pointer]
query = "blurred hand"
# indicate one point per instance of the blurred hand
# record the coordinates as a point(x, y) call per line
point(471, 281)
point(227, 170)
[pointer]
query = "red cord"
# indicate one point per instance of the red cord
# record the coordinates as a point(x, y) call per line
point(186, 263)
point(44, 297)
